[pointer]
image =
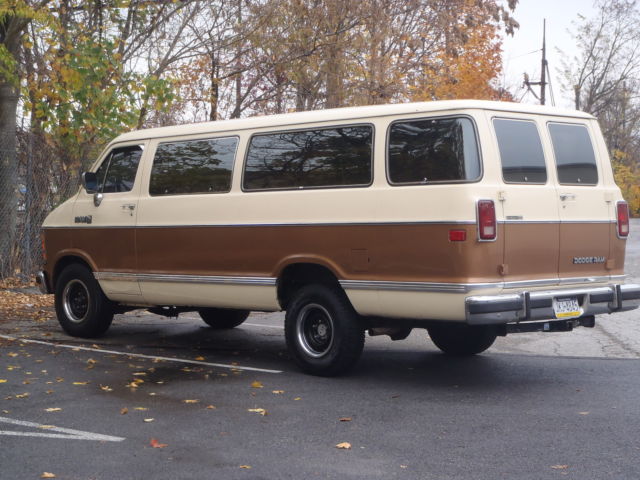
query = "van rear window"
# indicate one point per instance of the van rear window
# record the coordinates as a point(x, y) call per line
point(328, 157)
point(520, 151)
point(433, 150)
point(575, 160)
point(195, 166)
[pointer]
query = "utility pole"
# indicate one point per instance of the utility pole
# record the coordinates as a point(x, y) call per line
point(543, 69)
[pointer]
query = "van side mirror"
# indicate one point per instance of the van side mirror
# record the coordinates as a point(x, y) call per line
point(90, 182)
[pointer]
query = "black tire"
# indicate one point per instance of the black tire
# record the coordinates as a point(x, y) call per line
point(323, 332)
point(81, 306)
point(461, 339)
point(223, 318)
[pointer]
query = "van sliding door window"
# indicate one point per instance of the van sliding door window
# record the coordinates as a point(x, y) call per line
point(194, 166)
point(328, 157)
point(118, 171)
point(433, 150)
point(575, 160)
point(520, 151)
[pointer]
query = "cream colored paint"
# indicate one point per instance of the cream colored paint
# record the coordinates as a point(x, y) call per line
point(249, 297)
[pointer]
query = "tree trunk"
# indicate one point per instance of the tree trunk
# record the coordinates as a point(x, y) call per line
point(8, 175)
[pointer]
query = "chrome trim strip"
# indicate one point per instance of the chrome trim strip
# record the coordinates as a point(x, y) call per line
point(467, 287)
point(559, 222)
point(416, 286)
point(201, 279)
point(243, 225)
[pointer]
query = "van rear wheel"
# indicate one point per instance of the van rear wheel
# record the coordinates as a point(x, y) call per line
point(81, 307)
point(323, 332)
point(461, 339)
point(223, 318)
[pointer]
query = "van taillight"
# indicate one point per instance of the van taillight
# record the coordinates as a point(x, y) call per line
point(623, 219)
point(487, 229)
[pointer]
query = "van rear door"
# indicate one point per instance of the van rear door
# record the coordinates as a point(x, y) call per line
point(585, 210)
point(530, 205)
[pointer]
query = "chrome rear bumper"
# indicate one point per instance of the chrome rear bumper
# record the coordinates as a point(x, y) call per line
point(538, 305)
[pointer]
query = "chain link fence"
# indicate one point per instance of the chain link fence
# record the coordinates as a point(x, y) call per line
point(33, 181)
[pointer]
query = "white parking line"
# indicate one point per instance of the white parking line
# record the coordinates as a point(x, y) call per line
point(66, 433)
point(279, 327)
point(140, 355)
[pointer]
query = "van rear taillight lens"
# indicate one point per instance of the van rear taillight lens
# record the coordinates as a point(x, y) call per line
point(623, 219)
point(487, 228)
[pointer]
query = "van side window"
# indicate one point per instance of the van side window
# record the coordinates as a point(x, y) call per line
point(575, 160)
point(194, 166)
point(328, 157)
point(520, 151)
point(118, 171)
point(433, 150)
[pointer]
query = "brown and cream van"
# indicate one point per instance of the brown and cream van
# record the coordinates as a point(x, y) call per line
point(469, 219)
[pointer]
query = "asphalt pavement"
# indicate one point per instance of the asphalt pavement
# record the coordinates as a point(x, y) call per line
point(172, 399)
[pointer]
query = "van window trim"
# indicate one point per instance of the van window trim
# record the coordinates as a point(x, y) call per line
point(107, 156)
point(233, 165)
point(544, 155)
point(305, 129)
point(555, 161)
point(434, 182)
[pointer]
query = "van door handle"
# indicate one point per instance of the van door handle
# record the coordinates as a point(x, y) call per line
point(129, 207)
point(567, 196)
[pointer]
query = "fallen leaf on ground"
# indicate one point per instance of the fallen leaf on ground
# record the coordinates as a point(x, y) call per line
point(155, 444)
point(200, 358)
point(141, 409)
point(124, 411)
point(583, 413)
point(344, 446)
point(46, 427)
point(298, 398)
point(247, 467)
point(261, 411)
point(80, 383)
point(559, 467)
point(211, 407)
point(53, 409)
point(345, 419)
point(256, 384)
point(48, 475)
point(2, 380)
point(191, 401)
point(277, 392)
point(149, 420)
point(22, 395)
point(106, 388)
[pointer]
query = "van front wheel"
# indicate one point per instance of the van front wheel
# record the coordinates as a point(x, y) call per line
point(81, 307)
point(323, 332)
point(461, 339)
point(223, 318)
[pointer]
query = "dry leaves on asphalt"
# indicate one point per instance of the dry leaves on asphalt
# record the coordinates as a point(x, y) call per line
point(261, 411)
point(344, 446)
point(48, 475)
point(559, 467)
point(257, 384)
point(17, 305)
point(156, 444)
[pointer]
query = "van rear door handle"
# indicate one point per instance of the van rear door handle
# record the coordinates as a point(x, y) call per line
point(567, 196)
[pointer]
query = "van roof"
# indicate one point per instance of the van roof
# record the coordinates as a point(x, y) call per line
point(341, 114)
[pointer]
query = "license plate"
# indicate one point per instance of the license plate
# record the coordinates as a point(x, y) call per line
point(567, 308)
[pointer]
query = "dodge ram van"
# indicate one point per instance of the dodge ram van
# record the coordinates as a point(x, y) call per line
point(469, 219)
